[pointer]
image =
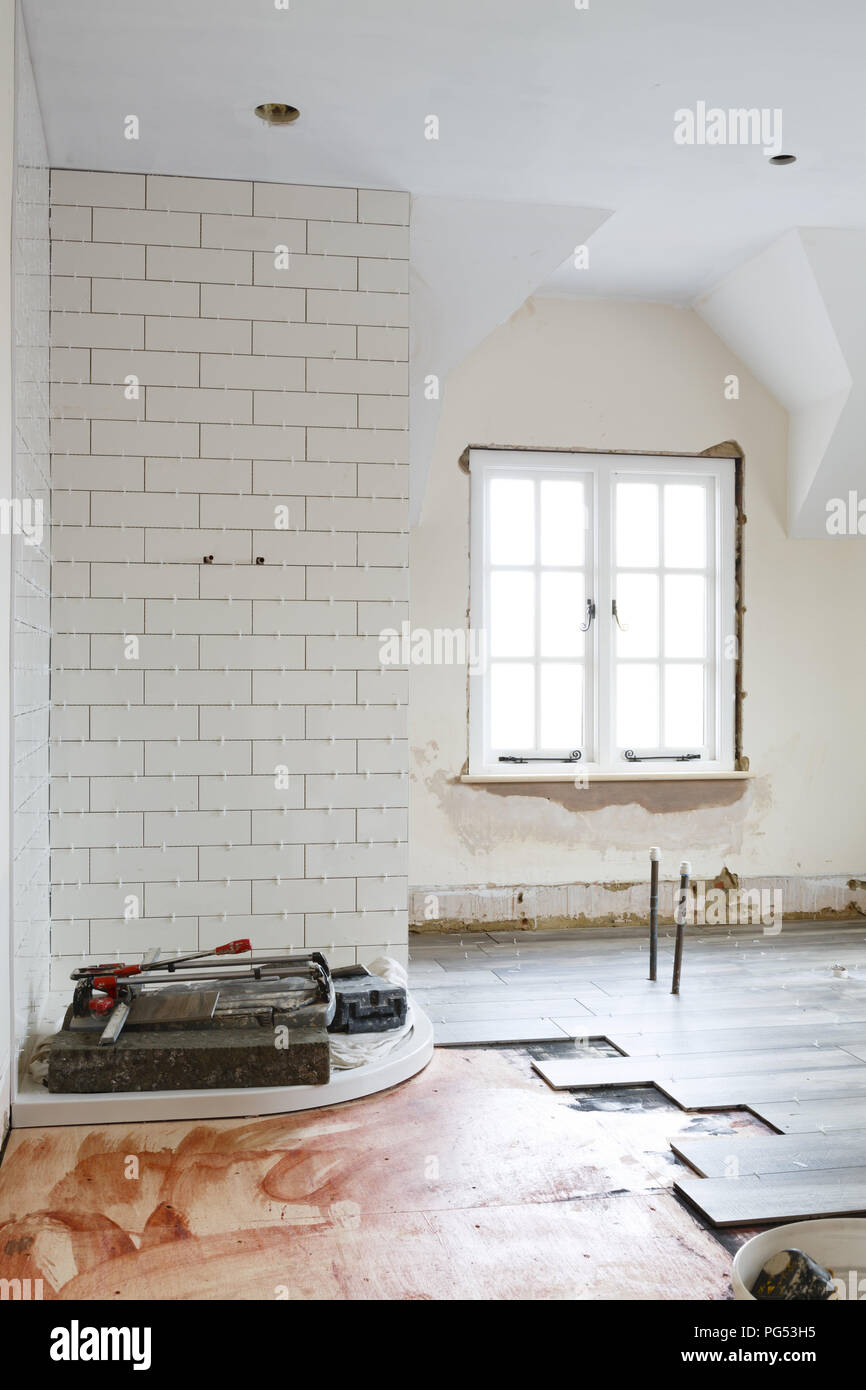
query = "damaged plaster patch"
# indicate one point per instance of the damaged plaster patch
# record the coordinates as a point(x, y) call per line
point(726, 879)
point(599, 817)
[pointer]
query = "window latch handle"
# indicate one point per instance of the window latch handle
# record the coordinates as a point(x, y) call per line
point(632, 757)
point(573, 757)
point(623, 627)
point(590, 614)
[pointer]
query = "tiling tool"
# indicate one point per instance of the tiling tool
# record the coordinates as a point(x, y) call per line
point(128, 991)
point(150, 962)
point(122, 1007)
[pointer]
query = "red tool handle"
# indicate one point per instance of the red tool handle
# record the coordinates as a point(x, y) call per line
point(101, 1006)
point(233, 948)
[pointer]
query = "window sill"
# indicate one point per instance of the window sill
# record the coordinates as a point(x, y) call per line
point(478, 777)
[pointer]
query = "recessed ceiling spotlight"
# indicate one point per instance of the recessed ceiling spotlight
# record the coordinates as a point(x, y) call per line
point(277, 113)
point(783, 159)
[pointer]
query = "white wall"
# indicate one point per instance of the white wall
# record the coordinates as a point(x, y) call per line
point(7, 190)
point(610, 375)
point(260, 387)
point(24, 568)
point(31, 563)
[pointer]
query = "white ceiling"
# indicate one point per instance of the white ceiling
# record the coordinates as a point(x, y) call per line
point(537, 101)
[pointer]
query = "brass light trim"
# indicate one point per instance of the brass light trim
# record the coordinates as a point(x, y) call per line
point(277, 113)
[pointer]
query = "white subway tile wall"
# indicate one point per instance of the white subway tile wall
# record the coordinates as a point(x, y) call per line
point(31, 563)
point(230, 379)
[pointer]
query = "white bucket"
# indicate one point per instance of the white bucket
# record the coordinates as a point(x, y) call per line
point(838, 1245)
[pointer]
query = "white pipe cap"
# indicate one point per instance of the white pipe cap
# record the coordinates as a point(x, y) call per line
point(685, 867)
point(655, 854)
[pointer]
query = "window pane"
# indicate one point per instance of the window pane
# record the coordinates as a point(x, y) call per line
point(685, 614)
point(561, 705)
point(563, 607)
point(637, 524)
point(512, 521)
point(512, 613)
point(684, 706)
point(637, 706)
point(637, 606)
point(563, 522)
point(685, 525)
point(512, 705)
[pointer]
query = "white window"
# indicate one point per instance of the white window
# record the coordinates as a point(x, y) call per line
point(604, 588)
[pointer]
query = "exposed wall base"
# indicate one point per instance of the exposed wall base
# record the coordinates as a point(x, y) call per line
point(715, 902)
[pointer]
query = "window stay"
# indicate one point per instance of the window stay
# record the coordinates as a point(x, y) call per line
point(573, 757)
point(632, 757)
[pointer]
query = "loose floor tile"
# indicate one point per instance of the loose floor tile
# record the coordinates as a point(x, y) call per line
point(781, 1197)
point(733, 1157)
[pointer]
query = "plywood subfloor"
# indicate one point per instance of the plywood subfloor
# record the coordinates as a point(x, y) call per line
point(473, 1180)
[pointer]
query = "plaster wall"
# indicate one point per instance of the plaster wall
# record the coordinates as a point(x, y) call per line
point(612, 375)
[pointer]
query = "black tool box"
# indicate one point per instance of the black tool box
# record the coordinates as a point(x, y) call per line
point(366, 1003)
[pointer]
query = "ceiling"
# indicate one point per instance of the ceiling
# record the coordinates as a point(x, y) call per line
point(536, 101)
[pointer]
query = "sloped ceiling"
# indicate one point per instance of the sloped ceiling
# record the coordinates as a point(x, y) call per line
point(796, 315)
point(472, 264)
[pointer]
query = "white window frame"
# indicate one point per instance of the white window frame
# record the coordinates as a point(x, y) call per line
point(600, 754)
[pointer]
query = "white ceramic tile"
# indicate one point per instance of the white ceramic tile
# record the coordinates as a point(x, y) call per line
point(260, 860)
point(365, 307)
point(388, 276)
point(182, 403)
point(192, 335)
point(151, 296)
point(375, 205)
point(197, 757)
point(203, 266)
point(251, 653)
point(78, 186)
point(358, 446)
point(83, 258)
point(376, 378)
point(297, 200)
point(246, 301)
point(251, 441)
point(197, 828)
point(308, 340)
point(97, 330)
point(166, 192)
point(250, 714)
point(253, 233)
point(257, 372)
point(301, 408)
point(151, 368)
point(383, 344)
point(306, 272)
point(201, 475)
point(146, 228)
point(298, 755)
point(271, 581)
point(304, 895)
point(250, 793)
